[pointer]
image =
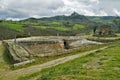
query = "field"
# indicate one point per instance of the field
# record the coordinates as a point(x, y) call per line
point(15, 26)
point(54, 25)
point(7, 65)
point(23, 29)
point(91, 63)
point(101, 65)
point(98, 65)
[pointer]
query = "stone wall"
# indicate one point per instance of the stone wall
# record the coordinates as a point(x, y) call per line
point(22, 51)
point(42, 47)
point(26, 49)
point(17, 52)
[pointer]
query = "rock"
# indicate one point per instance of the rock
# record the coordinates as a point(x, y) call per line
point(17, 52)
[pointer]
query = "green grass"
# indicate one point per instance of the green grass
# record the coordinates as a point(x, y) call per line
point(104, 65)
point(3, 57)
point(60, 28)
point(15, 26)
point(5, 62)
point(2, 50)
point(46, 59)
point(77, 26)
point(19, 27)
point(104, 39)
point(56, 23)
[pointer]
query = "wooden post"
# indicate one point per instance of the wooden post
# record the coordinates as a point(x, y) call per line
point(15, 40)
point(57, 34)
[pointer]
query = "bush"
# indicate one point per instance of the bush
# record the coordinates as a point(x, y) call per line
point(7, 33)
point(22, 35)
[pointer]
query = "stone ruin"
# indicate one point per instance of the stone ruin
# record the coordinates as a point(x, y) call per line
point(24, 50)
point(103, 30)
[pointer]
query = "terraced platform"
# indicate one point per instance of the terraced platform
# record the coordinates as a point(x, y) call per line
point(24, 50)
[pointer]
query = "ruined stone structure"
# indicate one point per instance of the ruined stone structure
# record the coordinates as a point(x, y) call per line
point(24, 50)
point(104, 30)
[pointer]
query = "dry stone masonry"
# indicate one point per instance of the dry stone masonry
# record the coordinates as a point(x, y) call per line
point(24, 50)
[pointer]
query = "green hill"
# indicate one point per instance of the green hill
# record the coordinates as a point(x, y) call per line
point(74, 18)
point(64, 25)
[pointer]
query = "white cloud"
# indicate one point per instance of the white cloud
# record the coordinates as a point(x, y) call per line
point(116, 12)
point(78, 6)
point(14, 19)
point(102, 13)
point(95, 1)
point(41, 8)
point(25, 8)
point(87, 12)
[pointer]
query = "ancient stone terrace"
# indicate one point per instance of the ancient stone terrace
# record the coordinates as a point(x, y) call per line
point(26, 49)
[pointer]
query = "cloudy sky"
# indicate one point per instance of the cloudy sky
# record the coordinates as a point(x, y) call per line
point(19, 9)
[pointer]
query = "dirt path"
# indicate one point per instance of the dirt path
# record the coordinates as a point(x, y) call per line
point(13, 75)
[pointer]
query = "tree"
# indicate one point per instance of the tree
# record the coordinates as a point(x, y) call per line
point(94, 29)
point(117, 22)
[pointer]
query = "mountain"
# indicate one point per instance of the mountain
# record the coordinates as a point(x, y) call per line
point(78, 18)
point(74, 14)
point(101, 19)
point(74, 18)
point(62, 24)
point(75, 21)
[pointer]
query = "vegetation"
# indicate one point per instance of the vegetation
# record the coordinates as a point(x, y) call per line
point(5, 61)
point(101, 65)
point(102, 19)
point(46, 59)
point(77, 27)
point(12, 29)
point(63, 25)
point(13, 25)
point(117, 22)
point(7, 33)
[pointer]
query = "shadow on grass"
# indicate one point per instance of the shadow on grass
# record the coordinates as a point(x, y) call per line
point(7, 58)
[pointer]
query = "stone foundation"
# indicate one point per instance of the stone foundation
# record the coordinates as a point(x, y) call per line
point(26, 49)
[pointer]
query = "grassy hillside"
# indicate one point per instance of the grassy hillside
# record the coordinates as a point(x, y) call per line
point(15, 26)
point(102, 19)
point(5, 61)
point(62, 28)
point(42, 28)
point(64, 25)
point(7, 33)
point(101, 65)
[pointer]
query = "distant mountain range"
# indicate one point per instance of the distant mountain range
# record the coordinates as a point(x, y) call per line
point(75, 17)
point(102, 19)
point(47, 26)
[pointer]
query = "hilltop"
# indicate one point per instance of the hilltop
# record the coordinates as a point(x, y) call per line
point(51, 26)
point(73, 18)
